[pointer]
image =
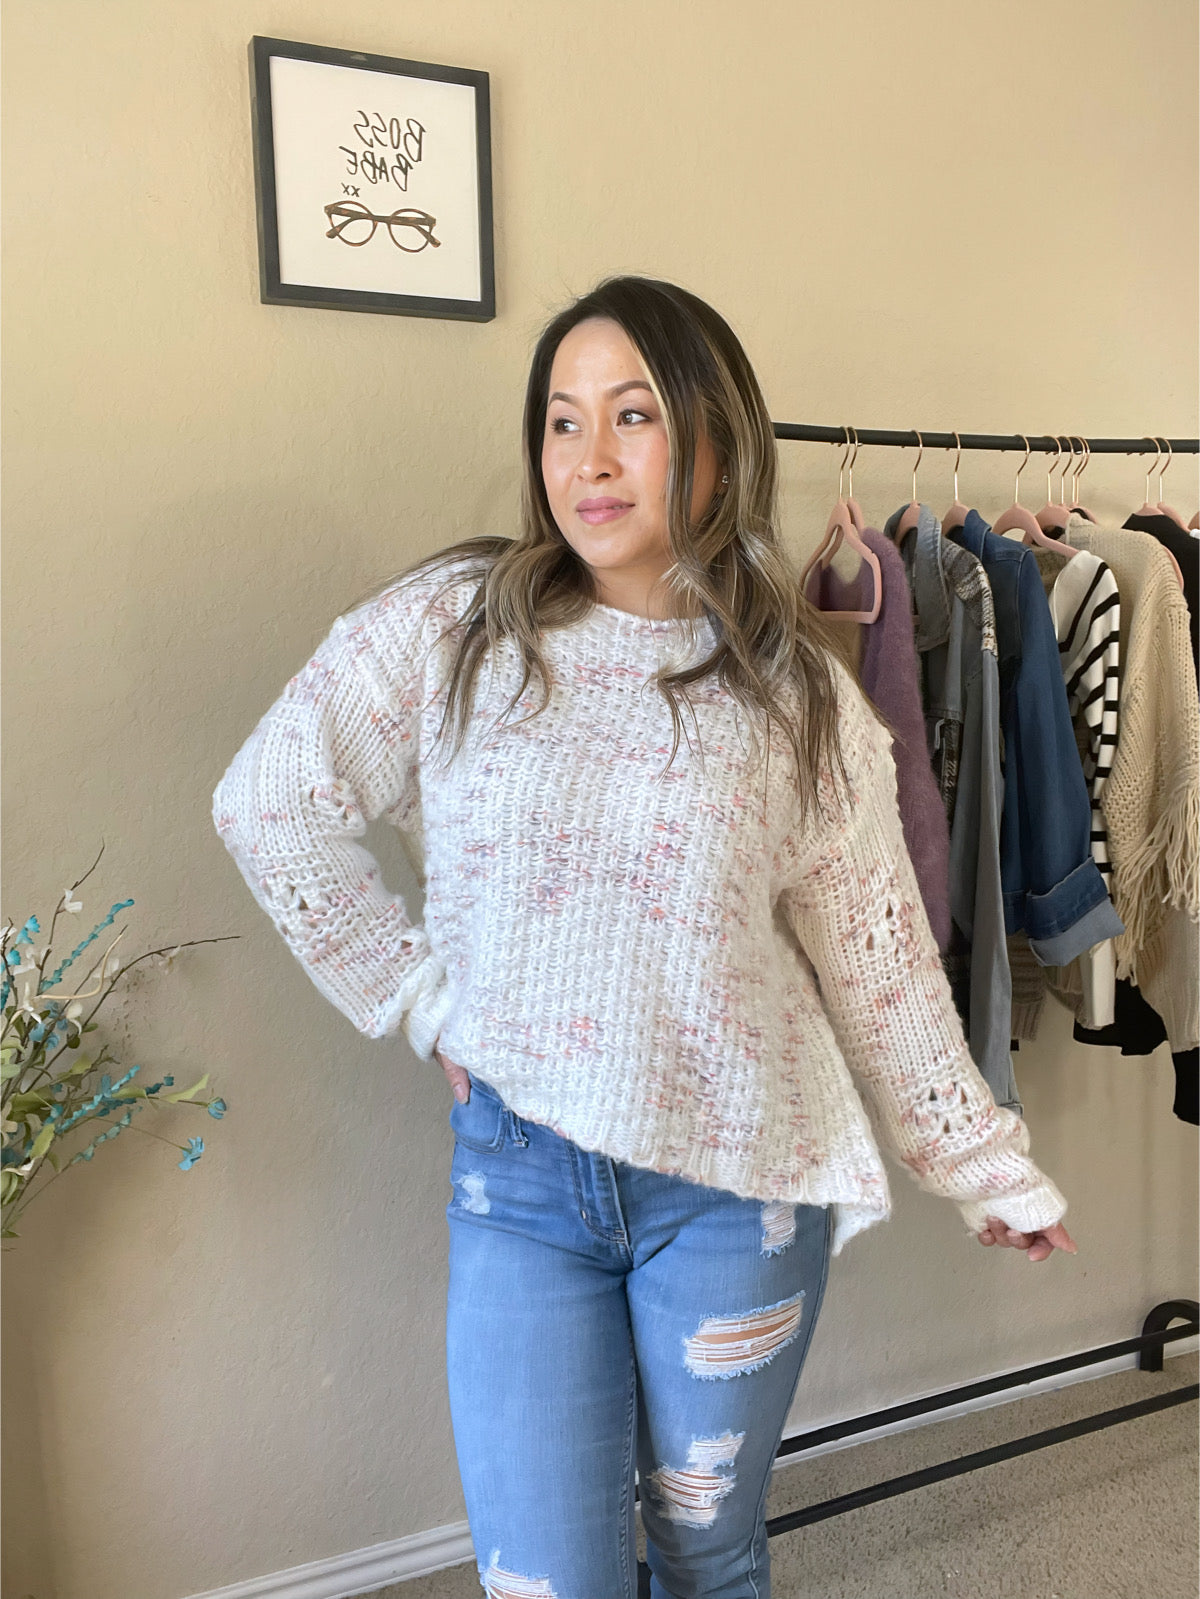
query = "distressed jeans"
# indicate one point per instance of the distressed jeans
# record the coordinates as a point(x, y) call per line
point(599, 1317)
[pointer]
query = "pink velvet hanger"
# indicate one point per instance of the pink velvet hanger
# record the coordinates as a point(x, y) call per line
point(956, 516)
point(1017, 516)
point(1054, 514)
point(912, 512)
point(842, 527)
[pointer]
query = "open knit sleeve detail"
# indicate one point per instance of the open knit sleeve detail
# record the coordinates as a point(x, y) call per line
point(332, 754)
point(852, 900)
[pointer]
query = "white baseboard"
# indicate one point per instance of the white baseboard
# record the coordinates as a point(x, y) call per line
point(363, 1571)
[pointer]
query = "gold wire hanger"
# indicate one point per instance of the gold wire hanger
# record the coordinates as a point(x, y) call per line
point(840, 529)
point(912, 512)
point(956, 516)
point(1081, 510)
point(1018, 515)
point(1147, 508)
point(1168, 510)
point(1053, 514)
point(852, 504)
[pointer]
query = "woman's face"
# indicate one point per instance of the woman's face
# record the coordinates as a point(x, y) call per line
point(604, 464)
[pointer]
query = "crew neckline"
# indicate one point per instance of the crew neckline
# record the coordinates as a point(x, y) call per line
point(642, 623)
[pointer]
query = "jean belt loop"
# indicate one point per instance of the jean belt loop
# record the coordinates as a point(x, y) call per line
point(517, 1132)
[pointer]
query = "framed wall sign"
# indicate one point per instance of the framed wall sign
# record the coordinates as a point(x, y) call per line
point(373, 180)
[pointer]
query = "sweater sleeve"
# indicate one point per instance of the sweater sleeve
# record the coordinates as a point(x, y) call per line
point(327, 758)
point(851, 897)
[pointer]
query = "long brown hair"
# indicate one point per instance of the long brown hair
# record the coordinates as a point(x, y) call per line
point(772, 651)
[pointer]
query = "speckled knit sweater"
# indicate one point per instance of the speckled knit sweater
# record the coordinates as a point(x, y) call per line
point(662, 963)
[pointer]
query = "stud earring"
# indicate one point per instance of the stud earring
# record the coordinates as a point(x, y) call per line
point(725, 480)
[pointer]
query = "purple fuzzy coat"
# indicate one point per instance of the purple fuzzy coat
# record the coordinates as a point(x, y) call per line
point(889, 674)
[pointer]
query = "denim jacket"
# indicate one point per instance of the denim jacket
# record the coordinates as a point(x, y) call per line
point(1053, 889)
point(960, 688)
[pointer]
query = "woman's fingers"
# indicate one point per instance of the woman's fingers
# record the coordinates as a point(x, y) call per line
point(1038, 1245)
point(457, 1076)
point(998, 1232)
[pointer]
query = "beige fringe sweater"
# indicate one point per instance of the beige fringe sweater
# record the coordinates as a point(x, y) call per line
point(1152, 797)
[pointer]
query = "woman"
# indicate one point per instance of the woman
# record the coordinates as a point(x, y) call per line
point(650, 965)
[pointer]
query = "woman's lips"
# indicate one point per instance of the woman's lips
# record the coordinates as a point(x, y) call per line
point(595, 514)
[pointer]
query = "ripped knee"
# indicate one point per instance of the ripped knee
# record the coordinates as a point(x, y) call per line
point(498, 1584)
point(691, 1494)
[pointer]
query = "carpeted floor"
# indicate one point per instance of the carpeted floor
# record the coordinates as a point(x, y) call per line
point(1112, 1515)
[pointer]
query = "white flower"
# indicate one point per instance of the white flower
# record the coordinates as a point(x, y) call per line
point(112, 966)
point(25, 1006)
point(69, 904)
point(73, 1011)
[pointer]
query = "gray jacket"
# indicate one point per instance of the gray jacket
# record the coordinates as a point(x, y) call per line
point(960, 690)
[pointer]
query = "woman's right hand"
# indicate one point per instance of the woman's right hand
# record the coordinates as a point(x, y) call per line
point(457, 1076)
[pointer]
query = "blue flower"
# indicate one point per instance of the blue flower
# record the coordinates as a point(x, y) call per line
point(195, 1148)
point(217, 1108)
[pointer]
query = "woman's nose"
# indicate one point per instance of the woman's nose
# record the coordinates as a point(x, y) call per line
point(598, 457)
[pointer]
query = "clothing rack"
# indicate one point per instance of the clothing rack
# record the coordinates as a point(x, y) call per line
point(1156, 1331)
point(1041, 443)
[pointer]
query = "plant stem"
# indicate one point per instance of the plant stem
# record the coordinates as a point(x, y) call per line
point(26, 1197)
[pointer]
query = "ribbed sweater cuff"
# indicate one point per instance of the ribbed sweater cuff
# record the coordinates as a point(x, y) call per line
point(425, 1020)
point(1028, 1212)
point(420, 1006)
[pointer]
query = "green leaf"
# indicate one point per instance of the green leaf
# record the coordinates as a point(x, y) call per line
point(83, 1064)
point(43, 1141)
point(187, 1093)
point(30, 1100)
point(10, 1071)
point(53, 1159)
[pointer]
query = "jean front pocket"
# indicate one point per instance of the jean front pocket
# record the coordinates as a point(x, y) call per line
point(480, 1122)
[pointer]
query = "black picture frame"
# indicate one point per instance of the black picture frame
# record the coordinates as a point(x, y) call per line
point(306, 253)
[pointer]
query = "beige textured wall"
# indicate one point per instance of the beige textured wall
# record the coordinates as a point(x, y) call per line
point(933, 215)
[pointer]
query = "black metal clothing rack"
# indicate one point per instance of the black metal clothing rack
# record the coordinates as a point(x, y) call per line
point(1156, 1331)
point(1039, 443)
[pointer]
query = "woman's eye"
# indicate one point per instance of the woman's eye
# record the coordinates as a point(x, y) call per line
point(564, 424)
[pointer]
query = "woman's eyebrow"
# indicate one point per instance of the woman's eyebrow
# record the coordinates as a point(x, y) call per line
point(618, 388)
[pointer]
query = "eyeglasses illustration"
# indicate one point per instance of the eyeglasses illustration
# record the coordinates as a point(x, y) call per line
point(353, 224)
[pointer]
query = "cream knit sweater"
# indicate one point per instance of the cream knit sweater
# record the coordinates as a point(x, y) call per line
point(664, 966)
